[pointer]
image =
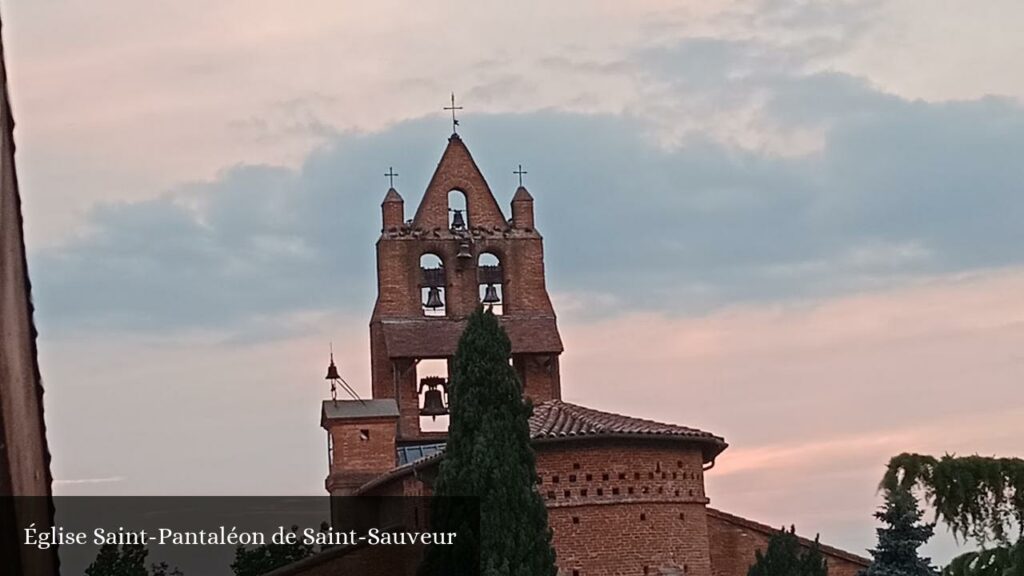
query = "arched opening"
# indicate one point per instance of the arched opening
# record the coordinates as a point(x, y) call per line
point(491, 282)
point(427, 372)
point(458, 215)
point(433, 285)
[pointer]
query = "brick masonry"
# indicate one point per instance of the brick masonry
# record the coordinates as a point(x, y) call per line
point(519, 249)
point(626, 502)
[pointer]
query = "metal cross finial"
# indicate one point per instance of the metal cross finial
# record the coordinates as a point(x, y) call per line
point(391, 176)
point(520, 173)
point(453, 108)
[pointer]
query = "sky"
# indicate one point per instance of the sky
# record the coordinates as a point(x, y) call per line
point(796, 224)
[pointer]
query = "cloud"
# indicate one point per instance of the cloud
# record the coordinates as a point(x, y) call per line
point(899, 190)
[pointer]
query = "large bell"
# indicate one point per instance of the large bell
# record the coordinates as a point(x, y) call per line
point(458, 222)
point(491, 295)
point(433, 404)
point(433, 299)
point(464, 251)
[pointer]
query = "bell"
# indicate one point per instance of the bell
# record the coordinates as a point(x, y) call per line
point(434, 299)
point(332, 372)
point(433, 404)
point(464, 251)
point(491, 295)
point(458, 222)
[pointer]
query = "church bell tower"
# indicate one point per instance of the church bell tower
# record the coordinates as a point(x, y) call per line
point(458, 252)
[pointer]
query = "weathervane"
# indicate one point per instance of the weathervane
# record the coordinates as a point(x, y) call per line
point(453, 108)
point(520, 173)
point(391, 176)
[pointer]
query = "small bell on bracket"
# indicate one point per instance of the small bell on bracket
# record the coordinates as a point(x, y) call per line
point(433, 299)
point(433, 400)
point(334, 377)
point(491, 295)
point(464, 253)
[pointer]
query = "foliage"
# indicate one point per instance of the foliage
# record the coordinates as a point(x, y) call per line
point(785, 556)
point(979, 498)
point(900, 538)
point(127, 560)
point(1000, 561)
point(488, 461)
point(259, 560)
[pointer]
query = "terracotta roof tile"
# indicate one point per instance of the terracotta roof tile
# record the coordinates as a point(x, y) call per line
point(554, 421)
point(557, 419)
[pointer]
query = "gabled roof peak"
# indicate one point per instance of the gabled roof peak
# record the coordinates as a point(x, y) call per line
point(393, 196)
point(457, 171)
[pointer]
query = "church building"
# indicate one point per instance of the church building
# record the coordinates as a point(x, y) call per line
point(625, 495)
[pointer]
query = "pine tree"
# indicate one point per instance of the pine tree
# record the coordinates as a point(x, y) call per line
point(900, 538)
point(489, 465)
point(786, 557)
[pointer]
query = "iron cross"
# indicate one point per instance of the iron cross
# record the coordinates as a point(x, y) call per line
point(520, 173)
point(453, 108)
point(391, 176)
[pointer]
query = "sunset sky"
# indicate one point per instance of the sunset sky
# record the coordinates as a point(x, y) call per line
point(796, 224)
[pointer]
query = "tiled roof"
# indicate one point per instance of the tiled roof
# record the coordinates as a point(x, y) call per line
point(438, 337)
point(554, 421)
point(557, 419)
point(348, 409)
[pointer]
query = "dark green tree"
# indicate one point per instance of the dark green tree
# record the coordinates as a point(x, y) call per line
point(785, 556)
point(488, 466)
point(900, 538)
point(127, 560)
point(258, 560)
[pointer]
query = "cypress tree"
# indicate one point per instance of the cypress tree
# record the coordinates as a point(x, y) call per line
point(900, 538)
point(786, 557)
point(488, 466)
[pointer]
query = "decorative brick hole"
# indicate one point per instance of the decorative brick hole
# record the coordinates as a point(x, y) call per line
point(364, 435)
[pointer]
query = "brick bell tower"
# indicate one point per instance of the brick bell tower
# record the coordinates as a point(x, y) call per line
point(457, 252)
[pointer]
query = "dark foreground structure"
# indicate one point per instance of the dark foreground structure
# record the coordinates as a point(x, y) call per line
point(24, 455)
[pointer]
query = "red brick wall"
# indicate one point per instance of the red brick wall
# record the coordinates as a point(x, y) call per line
point(734, 542)
point(355, 460)
point(458, 171)
point(399, 292)
point(620, 507)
